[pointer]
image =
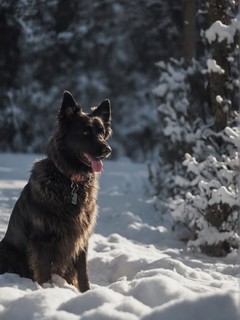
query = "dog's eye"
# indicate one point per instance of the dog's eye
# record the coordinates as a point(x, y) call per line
point(87, 131)
point(100, 131)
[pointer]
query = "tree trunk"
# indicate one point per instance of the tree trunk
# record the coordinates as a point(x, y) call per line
point(220, 50)
point(189, 29)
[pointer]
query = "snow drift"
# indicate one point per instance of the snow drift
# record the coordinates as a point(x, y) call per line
point(138, 268)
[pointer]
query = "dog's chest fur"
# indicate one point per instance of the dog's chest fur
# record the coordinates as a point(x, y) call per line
point(68, 224)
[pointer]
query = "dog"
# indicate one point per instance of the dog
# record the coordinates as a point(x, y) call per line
point(53, 218)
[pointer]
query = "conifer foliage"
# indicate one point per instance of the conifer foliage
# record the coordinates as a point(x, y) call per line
point(201, 136)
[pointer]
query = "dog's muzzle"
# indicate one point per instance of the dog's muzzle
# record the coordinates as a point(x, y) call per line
point(106, 152)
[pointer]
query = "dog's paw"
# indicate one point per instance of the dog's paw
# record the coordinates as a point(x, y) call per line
point(47, 285)
point(58, 281)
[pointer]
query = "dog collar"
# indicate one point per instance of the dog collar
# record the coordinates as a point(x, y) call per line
point(80, 177)
point(76, 178)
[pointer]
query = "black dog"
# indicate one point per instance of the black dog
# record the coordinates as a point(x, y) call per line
point(52, 220)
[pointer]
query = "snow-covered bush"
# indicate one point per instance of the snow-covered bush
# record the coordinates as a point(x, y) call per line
point(211, 211)
point(200, 123)
point(211, 206)
point(180, 122)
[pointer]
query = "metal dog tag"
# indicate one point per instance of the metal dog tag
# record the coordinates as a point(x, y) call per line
point(74, 187)
point(74, 198)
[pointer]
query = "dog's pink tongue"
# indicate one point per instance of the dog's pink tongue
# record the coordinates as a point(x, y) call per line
point(97, 165)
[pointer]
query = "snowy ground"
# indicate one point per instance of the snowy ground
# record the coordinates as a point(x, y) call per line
point(138, 269)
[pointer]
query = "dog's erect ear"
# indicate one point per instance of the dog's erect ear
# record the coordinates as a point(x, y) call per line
point(69, 105)
point(103, 111)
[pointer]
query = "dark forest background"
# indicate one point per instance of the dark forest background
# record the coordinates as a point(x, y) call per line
point(97, 50)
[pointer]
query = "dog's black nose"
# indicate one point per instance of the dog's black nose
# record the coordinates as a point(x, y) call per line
point(106, 151)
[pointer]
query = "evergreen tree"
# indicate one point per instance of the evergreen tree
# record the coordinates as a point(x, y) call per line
point(202, 190)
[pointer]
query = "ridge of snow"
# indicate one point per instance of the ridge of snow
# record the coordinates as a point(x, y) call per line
point(138, 269)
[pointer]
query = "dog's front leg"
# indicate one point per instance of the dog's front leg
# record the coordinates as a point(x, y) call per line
point(82, 270)
point(40, 259)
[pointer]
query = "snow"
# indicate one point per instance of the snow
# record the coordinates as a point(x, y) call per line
point(219, 99)
point(138, 268)
point(220, 32)
point(214, 67)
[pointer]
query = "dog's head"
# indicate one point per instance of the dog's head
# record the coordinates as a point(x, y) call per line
point(82, 137)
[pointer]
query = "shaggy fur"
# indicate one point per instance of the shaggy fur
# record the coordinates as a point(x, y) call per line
point(48, 230)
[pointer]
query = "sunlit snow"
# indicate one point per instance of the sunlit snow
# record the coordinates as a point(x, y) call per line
point(138, 268)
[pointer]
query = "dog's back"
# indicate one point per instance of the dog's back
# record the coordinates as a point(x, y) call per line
point(52, 220)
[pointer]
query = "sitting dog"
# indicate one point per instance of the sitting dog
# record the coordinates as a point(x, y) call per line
point(52, 220)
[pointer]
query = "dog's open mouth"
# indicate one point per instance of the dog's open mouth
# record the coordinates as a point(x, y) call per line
point(95, 163)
